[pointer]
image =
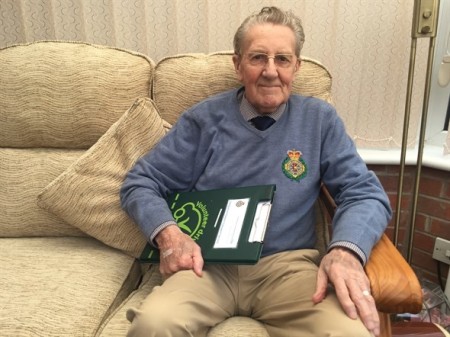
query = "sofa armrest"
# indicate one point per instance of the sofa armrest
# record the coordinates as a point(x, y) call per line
point(394, 285)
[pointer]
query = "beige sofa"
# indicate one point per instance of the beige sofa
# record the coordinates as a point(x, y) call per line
point(74, 117)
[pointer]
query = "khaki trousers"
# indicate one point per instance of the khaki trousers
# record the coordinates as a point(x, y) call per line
point(277, 291)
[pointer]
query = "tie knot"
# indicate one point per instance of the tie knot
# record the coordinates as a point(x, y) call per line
point(262, 122)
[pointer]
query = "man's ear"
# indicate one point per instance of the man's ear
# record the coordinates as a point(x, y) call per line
point(237, 66)
point(298, 64)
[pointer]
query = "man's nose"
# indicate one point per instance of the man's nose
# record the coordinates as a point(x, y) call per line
point(270, 69)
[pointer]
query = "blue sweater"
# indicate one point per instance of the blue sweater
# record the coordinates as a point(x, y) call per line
point(212, 146)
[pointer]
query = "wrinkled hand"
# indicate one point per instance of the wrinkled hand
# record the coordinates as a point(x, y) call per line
point(344, 271)
point(178, 252)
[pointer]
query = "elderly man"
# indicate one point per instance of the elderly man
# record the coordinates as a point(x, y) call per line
point(259, 134)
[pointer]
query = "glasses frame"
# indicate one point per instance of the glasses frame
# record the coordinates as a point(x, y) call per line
point(282, 60)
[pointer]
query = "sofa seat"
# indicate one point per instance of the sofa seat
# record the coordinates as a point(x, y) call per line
point(61, 286)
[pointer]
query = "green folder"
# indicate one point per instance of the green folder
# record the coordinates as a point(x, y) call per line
point(228, 224)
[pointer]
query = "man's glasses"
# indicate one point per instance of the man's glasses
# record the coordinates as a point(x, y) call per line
point(280, 60)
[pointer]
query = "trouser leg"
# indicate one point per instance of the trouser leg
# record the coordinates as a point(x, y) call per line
point(283, 302)
point(186, 305)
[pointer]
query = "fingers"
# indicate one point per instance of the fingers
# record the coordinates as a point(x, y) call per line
point(366, 308)
point(356, 301)
point(198, 262)
point(321, 287)
point(345, 299)
point(352, 287)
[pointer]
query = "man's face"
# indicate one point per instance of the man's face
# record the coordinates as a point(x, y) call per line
point(267, 85)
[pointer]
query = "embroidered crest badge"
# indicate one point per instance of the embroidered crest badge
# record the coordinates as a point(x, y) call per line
point(294, 167)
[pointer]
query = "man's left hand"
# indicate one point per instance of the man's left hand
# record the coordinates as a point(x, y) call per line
point(344, 271)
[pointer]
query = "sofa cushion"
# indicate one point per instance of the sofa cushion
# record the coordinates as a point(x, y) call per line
point(23, 174)
point(117, 324)
point(86, 195)
point(66, 94)
point(61, 287)
point(180, 81)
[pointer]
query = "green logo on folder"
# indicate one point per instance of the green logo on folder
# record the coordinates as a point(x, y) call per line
point(191, 218)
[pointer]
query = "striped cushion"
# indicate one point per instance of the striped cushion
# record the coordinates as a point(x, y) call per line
point(61, 287)
point(23, 175)
point(86, 195)
point(66, 95)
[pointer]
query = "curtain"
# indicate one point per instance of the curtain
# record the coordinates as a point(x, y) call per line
point(364, 43)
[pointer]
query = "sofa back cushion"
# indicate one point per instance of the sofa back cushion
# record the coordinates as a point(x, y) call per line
point(180, 81)
point(56, 100)
point(66, 95)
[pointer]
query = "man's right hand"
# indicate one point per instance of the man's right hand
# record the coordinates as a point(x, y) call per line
point(178, 252)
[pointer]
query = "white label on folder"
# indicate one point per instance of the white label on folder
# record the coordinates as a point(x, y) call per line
point(231, 224)
point(260, 222)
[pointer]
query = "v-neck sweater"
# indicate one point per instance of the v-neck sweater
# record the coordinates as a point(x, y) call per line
point(212, 146)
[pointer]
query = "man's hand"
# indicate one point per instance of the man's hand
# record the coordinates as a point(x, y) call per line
point(344, 271)
point(178, 252)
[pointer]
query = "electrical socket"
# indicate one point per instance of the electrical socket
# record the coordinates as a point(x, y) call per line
point(425, 18)
point(442, 250)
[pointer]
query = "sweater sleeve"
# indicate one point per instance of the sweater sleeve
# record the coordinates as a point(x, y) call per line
point(173, 165)
point(363, 208)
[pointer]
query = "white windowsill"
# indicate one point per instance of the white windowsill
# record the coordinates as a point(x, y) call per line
point(433, 156)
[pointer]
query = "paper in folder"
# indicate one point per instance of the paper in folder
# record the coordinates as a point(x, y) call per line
point(228, 224)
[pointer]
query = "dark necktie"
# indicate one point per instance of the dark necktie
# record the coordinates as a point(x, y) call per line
point(262, 122)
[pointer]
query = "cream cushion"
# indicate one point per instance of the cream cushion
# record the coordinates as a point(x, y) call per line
point(86, 195)
point(23, 175)
point(61, 287)
point(117, 323)
point(66, 95)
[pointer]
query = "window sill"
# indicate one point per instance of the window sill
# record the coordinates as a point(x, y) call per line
point(433, 157)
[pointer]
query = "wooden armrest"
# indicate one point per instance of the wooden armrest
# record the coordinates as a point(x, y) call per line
point(394, 284)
